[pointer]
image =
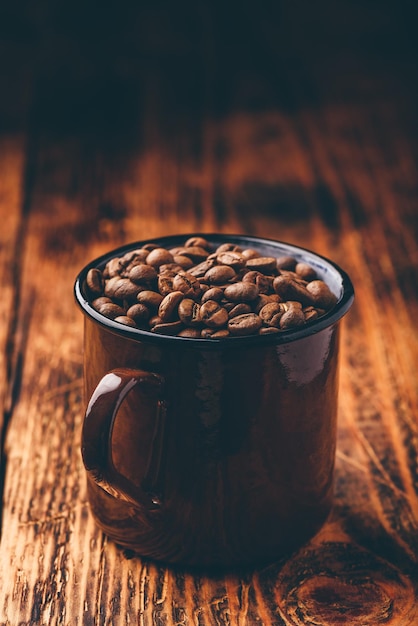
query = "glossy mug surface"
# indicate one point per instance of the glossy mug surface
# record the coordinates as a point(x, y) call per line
point(212, 452)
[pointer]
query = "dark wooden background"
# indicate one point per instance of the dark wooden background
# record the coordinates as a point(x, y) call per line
point(291, 120)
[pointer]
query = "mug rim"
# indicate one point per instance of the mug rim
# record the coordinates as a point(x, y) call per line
point(330, 318)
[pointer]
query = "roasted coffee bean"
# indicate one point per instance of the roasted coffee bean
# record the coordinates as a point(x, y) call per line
point(196, 253)
point(188, 284)
point(247, 324)
point(192, 333)
point(268, 330)
point(121, 288)
point(170, 268)
point(168, 328)
point(158, 257)
point(111, 310)
point(139, 313)
point(262, 300)
point(124, 319)
point(234, 259)
point(281, 284)
point(310, 313)
point(263, 282)
point(199, 242)
point(134, 257)
point(249, 253)
point(286, 263)
point(220, 334)
point(94, 280)
point(220, 274)
point(143, 274)
point(305, 271)
point(113, 268)
point(194, 291)
point(293, 276)
point(212, 333)
point(294, 316)
point(238, 309)
point(212, 314)
point(97, 302)
point(290, 289)
point(130, 259)
point(165, 283)
point(176, 250)
point(271, 313)
point(262, 264)
point(206, 333)
point(167, 310)
point(321, 294)
point(293, 303)
point(151, 299)
point(189, 312)
point(200, 270)
point(213, 293)
point(227, 247)
point(184, 262)
point(154, 320)
point(227, 304)
point(241, 292)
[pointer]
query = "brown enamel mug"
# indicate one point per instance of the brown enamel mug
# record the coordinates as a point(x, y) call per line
point(212, 452)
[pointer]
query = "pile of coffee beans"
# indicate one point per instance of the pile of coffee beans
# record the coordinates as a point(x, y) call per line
point(200, 292)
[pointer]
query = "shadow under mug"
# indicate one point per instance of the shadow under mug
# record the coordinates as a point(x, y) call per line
point(212, 452)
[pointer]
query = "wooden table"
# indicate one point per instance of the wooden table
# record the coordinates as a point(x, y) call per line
point(298, 123)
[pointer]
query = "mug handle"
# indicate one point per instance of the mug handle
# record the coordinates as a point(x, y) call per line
point(97, 436)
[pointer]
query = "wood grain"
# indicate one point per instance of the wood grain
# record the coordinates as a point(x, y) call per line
point(12, 166)
point(287, 143)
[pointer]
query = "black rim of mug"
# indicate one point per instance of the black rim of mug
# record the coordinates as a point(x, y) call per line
point(276, 248)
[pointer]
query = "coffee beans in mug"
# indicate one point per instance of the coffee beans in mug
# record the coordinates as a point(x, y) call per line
point(199, 291)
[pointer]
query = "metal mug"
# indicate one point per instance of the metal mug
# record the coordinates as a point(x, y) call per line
point(212, 452)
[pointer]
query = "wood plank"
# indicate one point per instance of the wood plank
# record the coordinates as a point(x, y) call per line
point(12, 228)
